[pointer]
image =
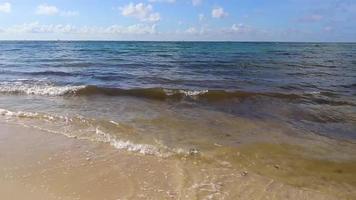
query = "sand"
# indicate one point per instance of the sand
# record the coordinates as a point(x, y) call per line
point(37, 165)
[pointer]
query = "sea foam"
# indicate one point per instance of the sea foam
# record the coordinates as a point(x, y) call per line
point(98, 136)
point(193, 92)
point(34, 89)
point(126, 145)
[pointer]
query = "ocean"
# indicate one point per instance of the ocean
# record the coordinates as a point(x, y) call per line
point(289, 103)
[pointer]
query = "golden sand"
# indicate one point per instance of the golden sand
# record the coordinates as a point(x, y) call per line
point(35, 165)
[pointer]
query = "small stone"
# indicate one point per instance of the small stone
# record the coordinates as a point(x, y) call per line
point(244, 173)
point(276, 166)
point(193, 151)
point(218, 145)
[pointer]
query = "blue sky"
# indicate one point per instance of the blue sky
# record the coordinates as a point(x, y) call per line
point(235, 20)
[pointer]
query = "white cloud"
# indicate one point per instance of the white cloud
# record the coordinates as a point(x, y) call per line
point(234, 30)
point(141, 12)
point(219, 13)
point(36, 27)
point(197, 31)
point(240, 28)
point(162, 1)
point(45, 9)
point(69, 13)
point(197, 2)
point(141, 31)
point(191, 30)
point(5, 7)
point(133, 29)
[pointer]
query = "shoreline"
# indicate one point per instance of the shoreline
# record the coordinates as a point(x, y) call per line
point(39, 165)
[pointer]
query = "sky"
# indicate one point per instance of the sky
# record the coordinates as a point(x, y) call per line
point(182, 20)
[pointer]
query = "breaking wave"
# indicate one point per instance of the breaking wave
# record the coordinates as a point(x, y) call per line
point(167, 94)
point(35, 89)
point(72, 125)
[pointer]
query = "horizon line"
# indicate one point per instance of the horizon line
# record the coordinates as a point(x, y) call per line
point(232, 41)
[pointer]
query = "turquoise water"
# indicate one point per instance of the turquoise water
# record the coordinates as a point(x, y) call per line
point(280, 67)
point(182, 96)
point(309, 85)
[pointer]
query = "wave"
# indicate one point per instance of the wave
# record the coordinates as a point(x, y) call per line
point(169, 94)
point(349, 86)
point(97, 135)
point(209, 95)
point(127, 145)
point(39, 73)
point(33, 89)
point(82, 90)
point(163, 94)
point(51, 73)
point(81, 128)
point(151, 93)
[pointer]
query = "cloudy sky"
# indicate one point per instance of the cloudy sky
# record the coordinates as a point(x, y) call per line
point(235, 20)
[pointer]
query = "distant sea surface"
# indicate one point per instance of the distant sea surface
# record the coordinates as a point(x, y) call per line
point(187, 98)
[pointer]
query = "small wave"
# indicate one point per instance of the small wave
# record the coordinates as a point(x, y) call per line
point(349, 86)
point(39, 73)
point(162, 94)
point(150, 93)
point(222, 95)
point(126, 145)
point(33, 89)
point(43, 117)
point(79, 127)
point(16, 114)
point(51, 73)
point(193, 93)
point(97, 136)
point(168, 94)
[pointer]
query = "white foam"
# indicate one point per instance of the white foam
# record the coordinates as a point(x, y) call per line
point(99, 135)
point(127, 145)
point(8, 113)
point(33, 89)
point(312, 92)
point(190, 93)
point(193, 92)
point(24, 114)
point(116, 123)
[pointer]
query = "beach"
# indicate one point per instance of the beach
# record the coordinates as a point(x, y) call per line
point(36, 165)
point(177, 120)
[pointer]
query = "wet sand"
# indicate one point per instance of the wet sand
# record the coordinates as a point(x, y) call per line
point(36, 165)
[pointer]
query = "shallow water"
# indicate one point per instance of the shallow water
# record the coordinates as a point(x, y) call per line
point(283, 110)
